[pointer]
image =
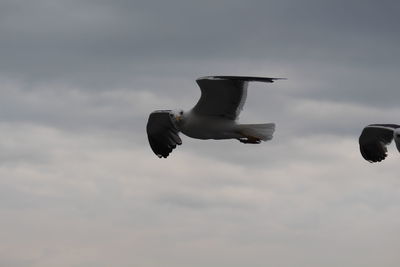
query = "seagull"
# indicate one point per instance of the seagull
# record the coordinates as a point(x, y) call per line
point(213, 117)
point(374, 139)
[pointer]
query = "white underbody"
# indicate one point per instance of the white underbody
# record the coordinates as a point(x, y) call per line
point(214, 127)
point(207, 127)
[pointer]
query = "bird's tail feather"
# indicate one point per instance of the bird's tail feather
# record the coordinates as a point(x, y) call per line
point(262, 131)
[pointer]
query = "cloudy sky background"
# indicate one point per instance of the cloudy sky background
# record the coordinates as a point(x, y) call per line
point(80, 186)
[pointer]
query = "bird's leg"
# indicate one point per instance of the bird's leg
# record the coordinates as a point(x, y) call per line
point(247, 139)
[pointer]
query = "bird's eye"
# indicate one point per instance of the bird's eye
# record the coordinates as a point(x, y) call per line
point(181, 112)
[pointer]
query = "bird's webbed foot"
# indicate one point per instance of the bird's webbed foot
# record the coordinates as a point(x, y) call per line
point(247, 140)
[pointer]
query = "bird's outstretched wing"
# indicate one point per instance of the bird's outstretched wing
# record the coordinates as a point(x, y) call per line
point(162, 133)
point(374, 139)
point(224, 96)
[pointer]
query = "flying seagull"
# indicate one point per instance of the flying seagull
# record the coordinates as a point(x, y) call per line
point(374, 139)
point(213, 117)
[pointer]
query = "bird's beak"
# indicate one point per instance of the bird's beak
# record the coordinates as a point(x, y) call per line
point(178, 118)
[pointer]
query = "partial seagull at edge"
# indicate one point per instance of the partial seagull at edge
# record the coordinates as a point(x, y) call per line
point(375, 138)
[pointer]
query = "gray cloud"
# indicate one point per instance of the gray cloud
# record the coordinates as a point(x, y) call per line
point(84, 40)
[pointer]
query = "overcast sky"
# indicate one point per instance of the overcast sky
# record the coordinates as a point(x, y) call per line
point(80, 186)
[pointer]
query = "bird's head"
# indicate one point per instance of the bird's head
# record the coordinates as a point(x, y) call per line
point(177, 116)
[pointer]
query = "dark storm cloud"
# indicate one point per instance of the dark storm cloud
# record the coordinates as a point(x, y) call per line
point(106, 43)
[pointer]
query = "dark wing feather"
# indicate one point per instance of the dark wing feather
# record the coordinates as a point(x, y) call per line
point(374, 139)
point(244, 78)
point(224, 96)
point(162, 133)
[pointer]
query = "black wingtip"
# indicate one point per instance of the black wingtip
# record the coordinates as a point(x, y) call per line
point(242, 78)
point(162, 134)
